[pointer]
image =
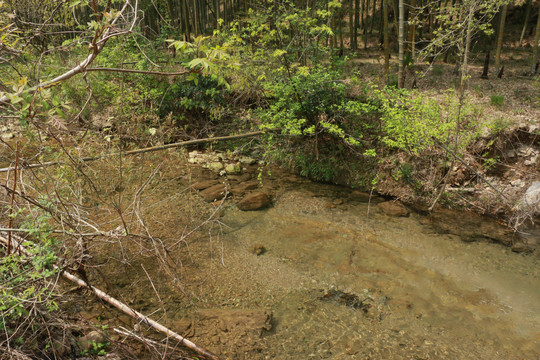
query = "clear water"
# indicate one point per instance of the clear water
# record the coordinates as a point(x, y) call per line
point(430, 296)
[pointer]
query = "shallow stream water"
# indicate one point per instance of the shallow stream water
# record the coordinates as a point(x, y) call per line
point(345, 281)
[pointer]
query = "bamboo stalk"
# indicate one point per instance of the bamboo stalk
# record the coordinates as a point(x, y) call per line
point(123, 307)
point(138, 151)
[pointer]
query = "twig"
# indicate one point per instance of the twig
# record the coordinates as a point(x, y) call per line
point(125, 308)
point(125, 332)
point(140, 151)
point(152, 283)
point(10, 222)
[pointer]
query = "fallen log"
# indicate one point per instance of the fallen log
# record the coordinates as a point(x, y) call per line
point(138, 151)
point(119, 305)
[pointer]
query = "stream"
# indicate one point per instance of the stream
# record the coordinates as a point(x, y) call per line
point(345, 281)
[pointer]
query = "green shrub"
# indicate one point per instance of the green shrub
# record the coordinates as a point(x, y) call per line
point(499, 125)
point(24, 278)
point(189, 101)
point(497, 100)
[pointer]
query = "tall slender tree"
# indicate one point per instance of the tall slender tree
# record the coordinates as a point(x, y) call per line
point(386, 40)
point(401, 72)
point(536, 44)
point(500, 37)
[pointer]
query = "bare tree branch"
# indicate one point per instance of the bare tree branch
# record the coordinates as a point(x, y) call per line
point(100, 38)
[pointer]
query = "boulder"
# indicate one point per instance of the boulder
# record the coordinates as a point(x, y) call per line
point(394, 208)
point(251, 185)
point(233, 169)
point(215, 166)
point(532, 196)
point(213, 193)
point(247, 160)
point(254, 201)
point(8, 135)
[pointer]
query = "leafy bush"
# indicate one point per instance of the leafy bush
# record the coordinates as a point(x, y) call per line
point(25, 279)
point(189, 101)
point(414, 122)
point(497, 100)
point(310, 117)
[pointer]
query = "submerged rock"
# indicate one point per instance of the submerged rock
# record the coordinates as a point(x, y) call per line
point(254, 201)
point(258, 249)
point(521, 247)
point(394, 208)
point(213, 193)
point(468, 226)
point(205, 184)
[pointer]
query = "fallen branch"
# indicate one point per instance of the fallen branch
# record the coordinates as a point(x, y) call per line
point(138, 151)
point(121, 306)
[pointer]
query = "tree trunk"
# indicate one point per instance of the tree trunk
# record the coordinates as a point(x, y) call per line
point(351, 23)
point(366, 15)
point(386, 45)
point(356, 23)
point(527, 14)
point(465, 62)
point(535, 46)
point(218, 13)
point(500, 38)
point(401, 40)
point(412, 30)
point(185, 11)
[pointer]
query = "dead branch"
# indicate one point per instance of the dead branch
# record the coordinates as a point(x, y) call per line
point(121, 306)
point(97, 45)
point(145, 72)
point(139, 151)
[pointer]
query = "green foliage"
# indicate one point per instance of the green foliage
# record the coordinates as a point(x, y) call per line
point(498, 125)
point(414, 122)
point(24, 278)
point(405, 172)
point(274, 43)
point(497, 100)
point(310, 104)
point(318, 169)
point(190, 101)
point(98, 348)
point(456, 20)
point(489, 162)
